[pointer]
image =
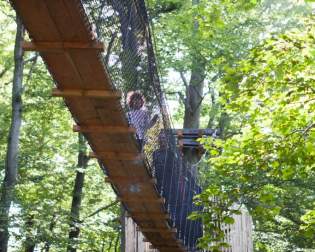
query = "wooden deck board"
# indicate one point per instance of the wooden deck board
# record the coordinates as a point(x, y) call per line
point(59, 12)
point(41, 27)
point(61, 70)
point(91, 68)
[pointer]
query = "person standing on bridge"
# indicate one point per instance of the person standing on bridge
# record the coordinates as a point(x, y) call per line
point(138, 116)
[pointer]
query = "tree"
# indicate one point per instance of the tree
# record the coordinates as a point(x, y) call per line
point(226, 32)
point(11, 166)
point(267, 165)
point(77, 195)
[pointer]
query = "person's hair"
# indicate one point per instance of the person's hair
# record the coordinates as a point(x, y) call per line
point(135, 95)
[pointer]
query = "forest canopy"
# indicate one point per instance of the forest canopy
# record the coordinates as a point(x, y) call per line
point(243, 68)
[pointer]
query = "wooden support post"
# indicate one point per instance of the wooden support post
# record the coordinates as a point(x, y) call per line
point(103, 129)
point(109, 94)
point(61, 46)
point(181, 144)
point(179, 133)
point(117, 156)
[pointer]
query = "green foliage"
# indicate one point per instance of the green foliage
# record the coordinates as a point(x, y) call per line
point(265, 103)
point(269, 165)
point(226, 31)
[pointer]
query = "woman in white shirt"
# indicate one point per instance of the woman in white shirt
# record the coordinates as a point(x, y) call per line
point(138, 116)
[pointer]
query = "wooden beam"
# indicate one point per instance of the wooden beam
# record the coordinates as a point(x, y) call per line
point(147, 213)
point(157, 230)
point(142, 200)
point(117, 156)
point(170, 249)
point(61, 46)
point(165, 240)
point(131, 179)
point(103, 129)
point(164, 245)
point(110, 94)
point(155, 216)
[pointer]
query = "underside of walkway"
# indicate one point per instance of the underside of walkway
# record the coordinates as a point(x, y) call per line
point(62, 33)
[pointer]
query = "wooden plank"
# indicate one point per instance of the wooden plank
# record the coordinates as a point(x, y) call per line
point(157, 230)
point(165, 240)
point(91, 68)
point(103, 129)
point(131, 179)
point(62, 70)
point(168, 249)
point(117, 118)
point(71, 28)
point(85, 93)
point(142, 199)
point(149, 215)
point(118, 156)
point(164, 245)
point(36, 19)
point(61, 46)
point(78, 15)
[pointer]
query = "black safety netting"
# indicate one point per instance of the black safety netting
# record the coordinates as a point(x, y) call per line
point(123, 25)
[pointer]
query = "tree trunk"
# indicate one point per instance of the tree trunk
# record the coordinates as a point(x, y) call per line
point(51, 228)
point(194, 95)
point(30, 247)
point(11, 164)
point(224, 122)
point(117, 243)
point(29, 243)
point(123, 229)
point(74, 230)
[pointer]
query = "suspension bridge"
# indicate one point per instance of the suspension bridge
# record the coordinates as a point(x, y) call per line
point(100, 55)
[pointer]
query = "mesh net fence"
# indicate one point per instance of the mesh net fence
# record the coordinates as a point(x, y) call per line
point(123, 25)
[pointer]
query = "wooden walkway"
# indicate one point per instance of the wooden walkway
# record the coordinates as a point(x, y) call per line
point(61, 32)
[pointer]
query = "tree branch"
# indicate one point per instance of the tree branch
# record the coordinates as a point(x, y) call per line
point(109, 48)
point(180, 94)
point(182, 76)
point(4, 71)
point(33, 61)
point(103, 208)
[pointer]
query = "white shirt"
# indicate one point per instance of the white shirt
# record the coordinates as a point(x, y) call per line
point(140, 120)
